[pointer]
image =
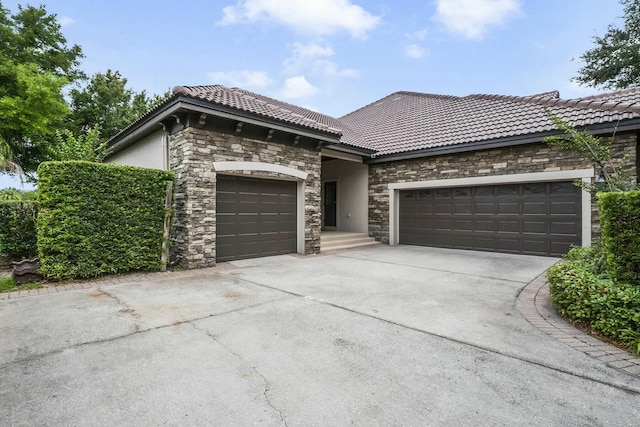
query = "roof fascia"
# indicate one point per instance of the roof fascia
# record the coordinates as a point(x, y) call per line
point(152, 123)
point(604, 129)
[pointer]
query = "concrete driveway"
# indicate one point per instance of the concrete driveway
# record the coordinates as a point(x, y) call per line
point(379, 336)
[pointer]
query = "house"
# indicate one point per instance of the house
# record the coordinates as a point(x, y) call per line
point(256, 176)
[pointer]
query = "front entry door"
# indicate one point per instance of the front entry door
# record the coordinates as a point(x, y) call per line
point(330, 203)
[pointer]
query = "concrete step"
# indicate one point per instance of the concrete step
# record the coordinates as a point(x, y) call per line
point(339, 235)
point(335, 241)
point(324, 248)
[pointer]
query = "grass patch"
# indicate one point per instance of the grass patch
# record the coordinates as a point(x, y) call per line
point(7, 284)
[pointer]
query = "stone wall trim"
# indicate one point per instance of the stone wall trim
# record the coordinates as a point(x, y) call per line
point(584, 174)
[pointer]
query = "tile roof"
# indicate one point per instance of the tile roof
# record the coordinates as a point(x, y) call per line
point(260, 105)
point(410, 121)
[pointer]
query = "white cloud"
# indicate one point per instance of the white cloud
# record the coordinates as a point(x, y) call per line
point(415, 51)
point(312, 57)
point(310, 17)
point(304, 56)
point(245, 79)
point(297, 87)
point(418, 35)
point(65, 20)
point(472, 18)
point(330, 68)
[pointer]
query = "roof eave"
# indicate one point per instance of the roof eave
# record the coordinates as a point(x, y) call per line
point(149, 124)
point(600, 129)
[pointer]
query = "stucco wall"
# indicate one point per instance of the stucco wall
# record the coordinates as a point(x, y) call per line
point(192, 152)
point(352, 179)
point(149, 152)
point(510, 160)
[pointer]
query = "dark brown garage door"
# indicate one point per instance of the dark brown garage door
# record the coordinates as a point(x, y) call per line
point(255, 217)
point(536, 218)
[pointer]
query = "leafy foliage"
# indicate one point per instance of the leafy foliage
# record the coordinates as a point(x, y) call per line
point(107, 105)
point(615, 60)
point(99, 218)
point(15, 195)
point(597, 151)
point(35, 64)
point(87, 146)
point(620, 220)
point(586, 296)
point(18, 229)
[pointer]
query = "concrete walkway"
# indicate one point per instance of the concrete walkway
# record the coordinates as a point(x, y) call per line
point(379, 336)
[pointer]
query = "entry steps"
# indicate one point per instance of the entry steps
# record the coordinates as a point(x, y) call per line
point(336, 240)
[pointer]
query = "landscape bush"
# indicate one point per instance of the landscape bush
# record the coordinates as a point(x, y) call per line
point(620, 222)
point(585, 293)
point(18, 230)
point(99, 218)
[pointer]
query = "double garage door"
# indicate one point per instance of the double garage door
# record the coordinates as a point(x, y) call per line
point(255, 217)
point(534, 218)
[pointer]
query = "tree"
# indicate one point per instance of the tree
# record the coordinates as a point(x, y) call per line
point(107, 104)
point(35, 64)
point(6, 162)
point(615, 61)
point(86, 146)
point(598, 152)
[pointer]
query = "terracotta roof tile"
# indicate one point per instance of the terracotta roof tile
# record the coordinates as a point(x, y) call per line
point(409, 121)
point(406, 121)
point(260, 105)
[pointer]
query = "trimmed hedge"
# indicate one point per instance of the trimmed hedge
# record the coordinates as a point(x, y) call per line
point(620, 221)
point(99, 218)
point(582, 294)
point(18, 230)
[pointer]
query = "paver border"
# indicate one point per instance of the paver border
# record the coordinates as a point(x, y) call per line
point(134, 277)
point(534, 303)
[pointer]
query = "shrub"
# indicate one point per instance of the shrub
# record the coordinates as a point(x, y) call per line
point(620, 221)
point(603, 303)
point(18, 229)
point(99, 218)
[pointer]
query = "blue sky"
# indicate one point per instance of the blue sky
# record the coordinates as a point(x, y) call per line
point(335, 56)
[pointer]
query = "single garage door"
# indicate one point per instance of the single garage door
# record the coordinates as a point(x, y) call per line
point(255, 217)
point(535, 219)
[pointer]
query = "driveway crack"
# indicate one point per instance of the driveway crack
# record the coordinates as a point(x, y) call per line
point(126, 308)
point(267, 385)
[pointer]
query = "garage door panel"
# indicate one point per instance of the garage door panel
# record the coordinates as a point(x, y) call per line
point(255, 217)
point(507, 208)
point(539, 227)
point(485, 208)
point(562, 207)
point(509, 226)
point(485, 225)
point(532, 218)
point(463, 224)
point(534, 207)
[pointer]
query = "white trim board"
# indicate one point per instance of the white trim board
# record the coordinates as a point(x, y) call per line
point(259, 166)
point(583, 174)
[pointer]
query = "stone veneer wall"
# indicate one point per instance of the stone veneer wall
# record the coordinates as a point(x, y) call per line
point(192, 152)
point(529, 158)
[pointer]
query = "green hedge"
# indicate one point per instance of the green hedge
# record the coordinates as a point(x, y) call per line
point(18, 230)
point(620, 221)
point(99, 218)
point(582, 294)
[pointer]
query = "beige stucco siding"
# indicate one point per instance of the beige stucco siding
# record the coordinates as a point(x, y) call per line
point(352, 182)
point(149, 152)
